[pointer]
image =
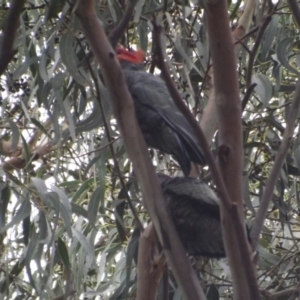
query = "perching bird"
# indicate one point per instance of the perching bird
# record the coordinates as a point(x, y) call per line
point(195, 211)
point(162, 124)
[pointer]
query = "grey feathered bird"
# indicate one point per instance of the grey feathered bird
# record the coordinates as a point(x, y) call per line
point(195, 211)
point(162, 124)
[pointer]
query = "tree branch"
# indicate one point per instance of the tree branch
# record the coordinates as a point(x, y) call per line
point(9, 33)
point(232, 213)
point(271, 181)
point(208, 122)
point(137, 151)
point(228, 107)
point(188, 115)
point(150, 265)
point(117, 32)
point(287, 292)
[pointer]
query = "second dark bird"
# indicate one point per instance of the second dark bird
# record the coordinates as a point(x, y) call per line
point(195, 211)
point(162, 124)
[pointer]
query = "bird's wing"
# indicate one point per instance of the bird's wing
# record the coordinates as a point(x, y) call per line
point(154, 95)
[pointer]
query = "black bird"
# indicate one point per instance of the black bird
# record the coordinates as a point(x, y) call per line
point(195, 211)
point(162, 124)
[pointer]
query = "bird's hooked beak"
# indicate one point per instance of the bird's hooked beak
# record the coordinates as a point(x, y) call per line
point(136, 57)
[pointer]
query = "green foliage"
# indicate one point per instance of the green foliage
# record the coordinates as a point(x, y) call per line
point(65, 225)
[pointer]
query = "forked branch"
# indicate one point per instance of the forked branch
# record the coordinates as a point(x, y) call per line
point(137, 151)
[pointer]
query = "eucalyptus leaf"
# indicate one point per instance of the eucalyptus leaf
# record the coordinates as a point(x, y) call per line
point(69, 58)
point(282, 54)
point(269, 37)
point(90, 255)
point(94, 204)
point(263, 88)
point(22, 213)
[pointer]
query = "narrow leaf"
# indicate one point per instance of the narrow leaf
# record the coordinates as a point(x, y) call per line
point(22, 213)
point(282, 50)
point(263, 88)
point(93, 206)
point(15, 134)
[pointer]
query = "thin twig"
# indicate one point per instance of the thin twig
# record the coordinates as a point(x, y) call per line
point(247, 95)
point(195, 19)
point(246, 35)
point(286, 292)
point(115, 35)
point(206, 79)
point(280, 157)
point(99, 149)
